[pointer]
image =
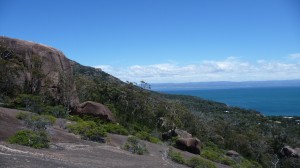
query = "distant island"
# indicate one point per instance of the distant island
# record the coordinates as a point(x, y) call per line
point(224, 85)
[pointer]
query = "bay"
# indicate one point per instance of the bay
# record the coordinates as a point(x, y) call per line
point(279, 101)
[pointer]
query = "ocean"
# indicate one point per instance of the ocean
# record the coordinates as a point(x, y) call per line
point(279, 101)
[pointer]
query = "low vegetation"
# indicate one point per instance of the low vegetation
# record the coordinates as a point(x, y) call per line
point(35, 139)
point(147, 137)
point(88, 130)
point(115, 129)
point(194, 162)
point(94, 129)
point(198, 162)
point(134, 145)
point(35, 121)
point(215, 154)
point(176, 157)
point(39, 105)
point(37, 136)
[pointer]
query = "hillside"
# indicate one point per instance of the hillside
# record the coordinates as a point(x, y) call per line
point(68, 150)
point(42, 80)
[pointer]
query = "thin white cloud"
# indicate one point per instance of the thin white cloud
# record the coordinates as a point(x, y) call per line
point(294, 56)
point(230, 69)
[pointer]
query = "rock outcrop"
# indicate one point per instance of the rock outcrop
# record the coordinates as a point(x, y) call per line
point(185, 140)
point(43, 70)
point(94, 109)
point(192, 145)
point(290, 152)
point(232, 153)
point(174, 133)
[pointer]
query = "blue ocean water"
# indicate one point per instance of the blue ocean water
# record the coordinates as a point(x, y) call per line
point(283, 101)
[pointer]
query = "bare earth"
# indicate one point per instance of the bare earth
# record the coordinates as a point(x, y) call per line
point(69, 151)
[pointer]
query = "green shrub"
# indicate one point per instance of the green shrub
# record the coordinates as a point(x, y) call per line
point(211, 155)
point(137, 127)
point(212, 152)
point(116, 129)
point(36, 122)
point(57, 111)
point(82, 127)
point(146, 136)
point(153, 139)
point(75, 118)
point(89, 130)
point(22, 115)
point(92, 118)
point(28, 102)
point(248, 164)
point(227, 161)
point(176, 157)
point(143, 135)
point(50, 118)
point(197, 162)
point(30, 138)
point(95, 134)
point(39, 122)
point(134, 145)
point(173, 141)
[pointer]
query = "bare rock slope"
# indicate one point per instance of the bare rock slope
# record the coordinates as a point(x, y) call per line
point(43, 69)
point(68, 150)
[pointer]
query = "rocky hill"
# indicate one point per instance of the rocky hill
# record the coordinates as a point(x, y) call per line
point(37, 69)
point(40, 79)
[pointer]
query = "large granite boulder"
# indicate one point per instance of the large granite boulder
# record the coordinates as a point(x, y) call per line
point(94, 109)
point(176, 133)
point(43, 70)
point(232, 153)
point(290, 152)
point(182, 133)
point(192, 145)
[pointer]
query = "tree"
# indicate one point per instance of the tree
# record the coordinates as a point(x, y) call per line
point(145, 85)
point(10, 67)
point(36, 74)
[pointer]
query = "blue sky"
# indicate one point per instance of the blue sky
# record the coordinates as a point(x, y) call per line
point(166, 40)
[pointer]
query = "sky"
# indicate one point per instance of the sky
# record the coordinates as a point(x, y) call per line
point(161, 41)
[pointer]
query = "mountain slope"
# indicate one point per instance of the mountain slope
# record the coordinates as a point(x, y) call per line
point(43, 74)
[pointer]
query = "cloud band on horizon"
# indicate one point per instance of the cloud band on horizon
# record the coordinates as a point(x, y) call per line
point(230, 69)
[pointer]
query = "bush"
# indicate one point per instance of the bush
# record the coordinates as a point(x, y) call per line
point(75, 118)
point(227, 161)
point(211, 155)
point(39, 122)
point(246, 163)
point(57, 111)
point(146, 136)
point(116, 129)
point(197, 162)
point(153, 139)
point(30, 138)
point(22, 115)
point(36, 122)
point(176, 157)
point(82, 127)
point(89, 130)
point(50, 118)
point(95, 134)
point(134, 145)
point(28, 102)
